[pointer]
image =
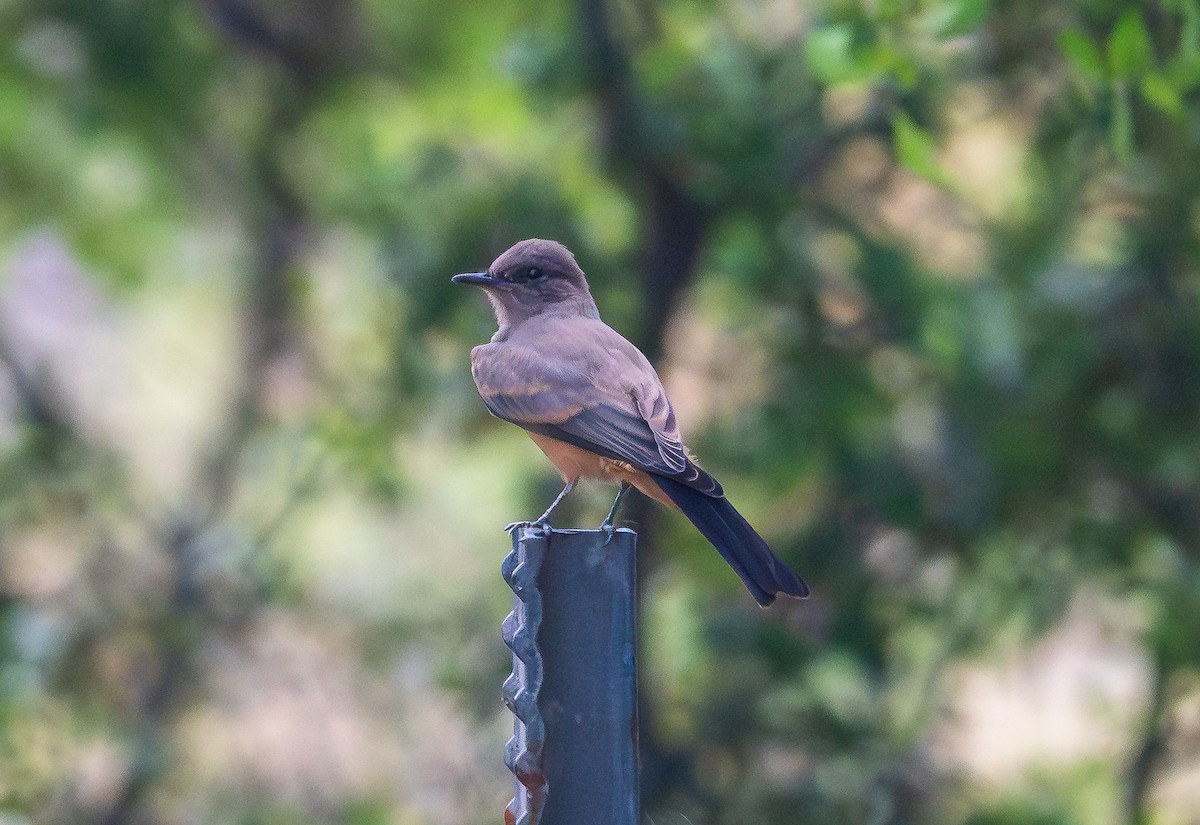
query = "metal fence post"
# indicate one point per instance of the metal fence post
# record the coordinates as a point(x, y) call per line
point(573, 688)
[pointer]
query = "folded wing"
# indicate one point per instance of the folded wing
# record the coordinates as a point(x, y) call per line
point(637, 426)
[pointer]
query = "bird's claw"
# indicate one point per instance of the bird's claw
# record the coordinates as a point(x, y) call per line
point(544, 526)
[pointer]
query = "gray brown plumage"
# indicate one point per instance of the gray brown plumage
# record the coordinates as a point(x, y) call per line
point(594, 405)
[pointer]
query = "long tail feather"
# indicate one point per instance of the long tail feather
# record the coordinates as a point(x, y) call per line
point(764, 574)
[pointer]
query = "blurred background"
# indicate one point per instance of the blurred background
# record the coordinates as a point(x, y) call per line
point(922, 278)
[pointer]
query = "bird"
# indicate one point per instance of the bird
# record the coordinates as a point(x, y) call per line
point(593, 403)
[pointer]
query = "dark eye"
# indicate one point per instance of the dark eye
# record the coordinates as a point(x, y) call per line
point(534, 273)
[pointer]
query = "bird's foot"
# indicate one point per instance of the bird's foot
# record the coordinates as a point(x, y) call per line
point(607, 524)
point(540, 524)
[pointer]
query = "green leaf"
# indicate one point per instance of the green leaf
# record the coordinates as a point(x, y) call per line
point(828, 50)
point(916, 150)
point(1189, 34)
point(1120, 133)
point(1184, 72)
point(1130, 51)
point(958, 17)
point(885, 58)
point(1158, 91)
point(1082, 55)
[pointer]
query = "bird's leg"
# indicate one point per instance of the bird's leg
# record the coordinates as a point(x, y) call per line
point(607, 524)
point(543, 520)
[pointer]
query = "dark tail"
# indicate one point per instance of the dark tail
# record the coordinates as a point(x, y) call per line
point(763, 573)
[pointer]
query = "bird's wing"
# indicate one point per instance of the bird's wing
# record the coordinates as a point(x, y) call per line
point(565, 400)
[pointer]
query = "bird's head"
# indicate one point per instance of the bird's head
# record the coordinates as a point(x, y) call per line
point(533, 277)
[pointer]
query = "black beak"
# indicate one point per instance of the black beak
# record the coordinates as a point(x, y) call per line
point(483, 279)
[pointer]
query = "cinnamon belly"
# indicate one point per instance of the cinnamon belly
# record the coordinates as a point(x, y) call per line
point(574, 462)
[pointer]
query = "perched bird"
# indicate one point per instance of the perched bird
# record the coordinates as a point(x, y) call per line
point(594, 405)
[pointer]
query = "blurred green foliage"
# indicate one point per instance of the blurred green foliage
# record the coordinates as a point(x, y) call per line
point(922, 278)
